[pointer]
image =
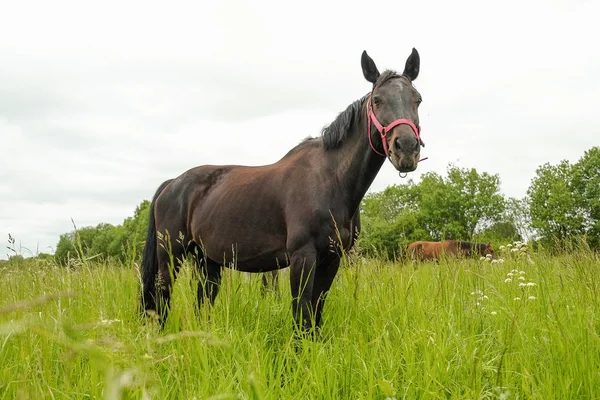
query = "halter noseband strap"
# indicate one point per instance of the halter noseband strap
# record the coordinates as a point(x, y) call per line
point(383, 130)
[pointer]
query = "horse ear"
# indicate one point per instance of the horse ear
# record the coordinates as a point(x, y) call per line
point(369, 68)
point(413, 64)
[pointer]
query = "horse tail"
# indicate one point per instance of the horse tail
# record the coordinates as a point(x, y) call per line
point(150, 257)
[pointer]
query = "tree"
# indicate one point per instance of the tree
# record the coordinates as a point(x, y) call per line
point(586, 185)
point(456, 207)
point(462, 204)
point(555, 206)
point(517, 213)
point(499, 232)
point(65, 248)
point(121, 242)
point(391, 219)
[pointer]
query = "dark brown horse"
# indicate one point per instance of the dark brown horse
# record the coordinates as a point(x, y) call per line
point(432, 250)
point(298, 212)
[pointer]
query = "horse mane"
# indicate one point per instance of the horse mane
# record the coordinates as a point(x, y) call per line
point(464, 245)
point(471, 245)
point(334, 134)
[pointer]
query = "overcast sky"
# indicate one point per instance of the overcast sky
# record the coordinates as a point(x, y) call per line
point(101, 103)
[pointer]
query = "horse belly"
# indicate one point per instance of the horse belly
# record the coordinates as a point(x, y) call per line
point(262, 263)
point(254, 240)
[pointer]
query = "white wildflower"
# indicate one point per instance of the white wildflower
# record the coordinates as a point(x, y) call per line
point(109, 321)
point(488, 256)
point(481, 258)
point(508, 280)
point(530, 284)
point(521, 278)
point(502, 247)
point(493, 313)
point(503, 395)
point(511, 274)
point(509, 245)
point(521, 272)
point(522, 284)
point(514, 271)
point(517, 299)
point(514, 250)
point(531, 298)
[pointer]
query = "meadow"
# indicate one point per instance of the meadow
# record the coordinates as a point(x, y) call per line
point(525, 328)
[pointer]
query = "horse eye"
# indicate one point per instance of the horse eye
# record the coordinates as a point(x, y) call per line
point(376, 100)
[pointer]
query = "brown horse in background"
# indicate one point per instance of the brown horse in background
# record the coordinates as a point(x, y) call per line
point(432, 250)
point(299, 211)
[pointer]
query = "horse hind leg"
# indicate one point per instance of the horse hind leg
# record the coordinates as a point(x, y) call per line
point(169, 264)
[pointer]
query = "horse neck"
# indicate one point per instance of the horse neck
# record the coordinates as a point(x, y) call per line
point(356, 163)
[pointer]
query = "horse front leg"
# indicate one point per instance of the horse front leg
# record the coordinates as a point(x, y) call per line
point(302, 277)
point(324, 277)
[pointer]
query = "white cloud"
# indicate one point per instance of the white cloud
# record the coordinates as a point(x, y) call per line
point(102, 102)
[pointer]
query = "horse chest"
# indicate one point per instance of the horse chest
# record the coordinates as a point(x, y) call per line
point(332, 234)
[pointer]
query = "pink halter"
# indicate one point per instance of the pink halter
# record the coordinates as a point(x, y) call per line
point(384, 130)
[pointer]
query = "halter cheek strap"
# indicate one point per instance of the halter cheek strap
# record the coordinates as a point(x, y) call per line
point(383, 130)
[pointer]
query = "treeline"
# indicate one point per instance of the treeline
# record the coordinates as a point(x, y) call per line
point(463, 205)
point(562, 205)
point(122, 242)
point(564, 200)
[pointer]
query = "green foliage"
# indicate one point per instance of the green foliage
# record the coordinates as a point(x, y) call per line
point(564, 200)
point(586, 183)
point(16, 260)
point(390, 220)
point(516, 212)
point(45, 257)
point(455, 207)
point(499, 232)
point(553, 203)
point(122, 242)
point(65, 248)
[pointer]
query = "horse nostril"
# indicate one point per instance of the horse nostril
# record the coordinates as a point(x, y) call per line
point(406, 144)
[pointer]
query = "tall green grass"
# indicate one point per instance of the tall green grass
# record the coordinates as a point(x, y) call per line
point(453, 330)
